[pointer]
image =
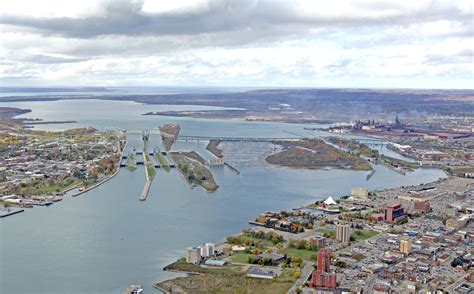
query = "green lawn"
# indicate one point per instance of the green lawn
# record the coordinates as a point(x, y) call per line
point(241, 257)
point(147, 157)
point(264, 242)
point(261, 242)
point(363, 234)
point(326, 231)
point(302, 253)
point(151, 170)
point(162, 161)
point(63, 185)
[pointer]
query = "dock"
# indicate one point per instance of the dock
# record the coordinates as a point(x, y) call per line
point(370, 175)
point(10, 211)
point(232, 168)
point(145, 191)
point(149, 174)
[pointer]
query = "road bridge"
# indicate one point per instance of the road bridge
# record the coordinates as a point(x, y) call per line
point(373, 141)
point(236, 139)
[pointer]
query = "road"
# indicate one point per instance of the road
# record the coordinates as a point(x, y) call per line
point(456, 284)
point(369, 283)
point(305, 273)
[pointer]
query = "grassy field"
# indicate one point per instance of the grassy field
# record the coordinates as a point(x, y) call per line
point(151, 171)
point(363, 234)
point(231, 279)
point(257, 241)
point(326, 231)
point(162, 161)
point(49, 189)
point(241, 257)
point(302, 253)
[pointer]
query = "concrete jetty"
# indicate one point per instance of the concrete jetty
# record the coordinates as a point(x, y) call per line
point(234, 169)
point(145, 191)
point(148, 164)
point(10, 211)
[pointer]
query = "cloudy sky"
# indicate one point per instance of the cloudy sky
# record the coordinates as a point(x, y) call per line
point(337, 43)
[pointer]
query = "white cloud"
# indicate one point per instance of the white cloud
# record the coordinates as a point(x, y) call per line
point(302, 43)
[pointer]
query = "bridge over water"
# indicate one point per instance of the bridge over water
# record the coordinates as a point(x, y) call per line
point(370, 141)
point(236, 139)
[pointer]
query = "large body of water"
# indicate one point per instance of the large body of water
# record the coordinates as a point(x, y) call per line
point(106, 239)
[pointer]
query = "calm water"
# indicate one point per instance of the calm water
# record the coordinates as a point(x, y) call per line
point(106, 239)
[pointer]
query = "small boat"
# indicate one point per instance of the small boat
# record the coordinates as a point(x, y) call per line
point(81, 189)
point(48, 203)
point(134, 289)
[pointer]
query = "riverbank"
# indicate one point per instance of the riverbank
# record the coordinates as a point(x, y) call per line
point(230, 279)
point(107, 178)
point(206, 277)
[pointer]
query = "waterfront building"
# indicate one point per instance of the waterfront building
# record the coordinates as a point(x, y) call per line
point(360, 193)
point(343, 233)
point(322, 277)
point(207, 250)
point(215, 262)
point(216, 162)
point(394, 213)
point(193, 255)
point(405, 246)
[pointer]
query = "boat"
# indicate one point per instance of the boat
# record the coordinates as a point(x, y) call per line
point(48, 203)
point(81, 189)
point(133, 289)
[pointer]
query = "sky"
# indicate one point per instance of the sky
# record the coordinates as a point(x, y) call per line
point(252, 43)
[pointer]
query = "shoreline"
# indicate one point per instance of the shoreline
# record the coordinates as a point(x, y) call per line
point(106, 179)
point(439, 180)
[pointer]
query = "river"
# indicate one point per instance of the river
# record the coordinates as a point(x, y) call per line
point(106, 239)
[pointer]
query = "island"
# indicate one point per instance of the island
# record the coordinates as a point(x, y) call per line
point(315, 154)
point(193, 170)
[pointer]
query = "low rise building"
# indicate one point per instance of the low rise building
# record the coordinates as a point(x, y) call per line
point(193, 255)
point(422, 206)
point(259, 273)
point(405, 246)
point(394, 213)
point(360, 193)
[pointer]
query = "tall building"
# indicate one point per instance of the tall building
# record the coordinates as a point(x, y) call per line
point(322, 277)
point(394, 213)
point(207, 250)
point(324, 260)
point(343, 233)
point(405, 246)
point(193, 255)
